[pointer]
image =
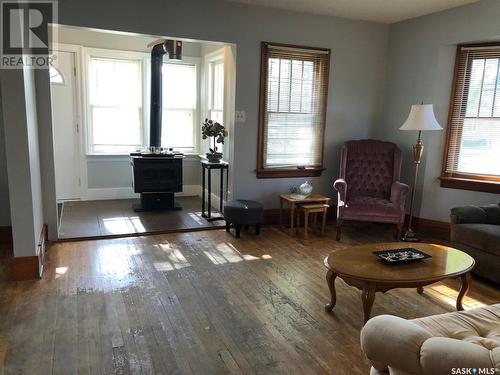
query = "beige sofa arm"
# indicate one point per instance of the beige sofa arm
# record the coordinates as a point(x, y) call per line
point(440, 354)
point(391, 341)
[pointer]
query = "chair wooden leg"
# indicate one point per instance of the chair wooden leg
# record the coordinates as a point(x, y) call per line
point(238, 230)
point(323, 223)
point(306, 223)
point(257, 229)
point(398, 231)
point(228, 226)
point(339, 230)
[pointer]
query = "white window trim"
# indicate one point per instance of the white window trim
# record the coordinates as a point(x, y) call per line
point(88, 53)
point(209, 58)
point(114, 54)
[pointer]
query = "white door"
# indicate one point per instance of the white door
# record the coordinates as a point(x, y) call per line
point(65, 126)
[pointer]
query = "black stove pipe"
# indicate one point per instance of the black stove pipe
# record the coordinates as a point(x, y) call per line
point(174, 50)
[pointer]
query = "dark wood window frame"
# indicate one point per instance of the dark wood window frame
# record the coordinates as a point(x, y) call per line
point(489, 184)
point(284, 172)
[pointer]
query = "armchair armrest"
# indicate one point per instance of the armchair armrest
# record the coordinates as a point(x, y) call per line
point(392, 341)
point(341, 186)
point(468, 215)
point(398, 193)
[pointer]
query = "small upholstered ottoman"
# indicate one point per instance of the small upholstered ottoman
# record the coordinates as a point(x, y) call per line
point(243, 213)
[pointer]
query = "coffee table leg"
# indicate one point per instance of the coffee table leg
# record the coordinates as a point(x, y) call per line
point(466, 283)
point(330, 279)
point(420, 289)
point(367, 297)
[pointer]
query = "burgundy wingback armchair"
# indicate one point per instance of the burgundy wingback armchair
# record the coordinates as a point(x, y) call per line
point(368, 187)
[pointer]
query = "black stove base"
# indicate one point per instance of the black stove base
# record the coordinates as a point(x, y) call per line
point(157, 202)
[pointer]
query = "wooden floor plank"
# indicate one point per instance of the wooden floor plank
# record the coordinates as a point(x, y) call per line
point(200, 303)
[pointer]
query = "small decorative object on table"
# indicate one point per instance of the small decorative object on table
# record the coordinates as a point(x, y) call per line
point(302, 191)
point(217, 131)
point(402, 255)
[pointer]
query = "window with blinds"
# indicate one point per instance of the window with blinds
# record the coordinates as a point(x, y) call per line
point(294, 89)
point(473, 134)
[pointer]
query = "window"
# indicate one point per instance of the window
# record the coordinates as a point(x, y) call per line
point(55, 76)
point(179, 105)
point(216, 91)
point(115, 105)
point(472, 154)
point(293, 96)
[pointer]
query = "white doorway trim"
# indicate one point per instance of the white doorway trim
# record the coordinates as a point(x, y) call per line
point(79, 113)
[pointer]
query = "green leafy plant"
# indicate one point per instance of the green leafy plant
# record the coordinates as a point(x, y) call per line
point(215, 130)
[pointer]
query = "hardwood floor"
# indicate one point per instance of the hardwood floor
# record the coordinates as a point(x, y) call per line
point(82, 219)
point(199, 302)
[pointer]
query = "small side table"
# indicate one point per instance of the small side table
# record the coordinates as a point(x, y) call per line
point(292, 201)
point(314, 209)
point(208, 166)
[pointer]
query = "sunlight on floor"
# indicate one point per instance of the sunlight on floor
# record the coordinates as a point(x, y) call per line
point(226, 253)
point(176, 259)
point(449, 296)
point(60, 271)
point(196, 216)
point(113, 260)
point(124, 224)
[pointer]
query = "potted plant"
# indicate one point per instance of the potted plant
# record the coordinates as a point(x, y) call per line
point(217, 131)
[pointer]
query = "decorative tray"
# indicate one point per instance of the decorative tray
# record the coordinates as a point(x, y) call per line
point(403, 255)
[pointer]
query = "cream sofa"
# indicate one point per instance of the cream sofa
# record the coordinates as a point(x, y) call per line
point(440, 344)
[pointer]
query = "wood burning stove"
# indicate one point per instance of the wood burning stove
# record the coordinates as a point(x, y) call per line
point(158, 172)
point(157, 178)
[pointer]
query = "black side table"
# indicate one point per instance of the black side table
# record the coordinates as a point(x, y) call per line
point(207, 166)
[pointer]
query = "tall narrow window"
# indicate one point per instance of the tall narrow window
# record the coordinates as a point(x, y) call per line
point(216, 91)
point(115, 105)
point(472, 154)
point(293, 98)
point(179, 106)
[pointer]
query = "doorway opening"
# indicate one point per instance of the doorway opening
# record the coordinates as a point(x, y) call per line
point(100, 95)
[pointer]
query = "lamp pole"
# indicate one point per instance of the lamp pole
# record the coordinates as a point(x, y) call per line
point(418, 149)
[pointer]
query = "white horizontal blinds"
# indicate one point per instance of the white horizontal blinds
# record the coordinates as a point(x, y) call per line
point(115, 104)
point(295, 94)
point(474, 147)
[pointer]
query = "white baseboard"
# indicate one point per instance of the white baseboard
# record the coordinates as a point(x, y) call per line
point(128, 193)
point(190, 191)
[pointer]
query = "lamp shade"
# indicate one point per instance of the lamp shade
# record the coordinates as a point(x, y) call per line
point(421, 118)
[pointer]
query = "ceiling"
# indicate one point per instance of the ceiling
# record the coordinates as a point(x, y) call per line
point(385, 11)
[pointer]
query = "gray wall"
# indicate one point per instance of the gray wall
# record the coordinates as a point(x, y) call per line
point(357, 74)
point(23, 159)
point(420, 68)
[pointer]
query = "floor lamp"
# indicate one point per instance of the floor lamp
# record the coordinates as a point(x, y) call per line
point(421, 118)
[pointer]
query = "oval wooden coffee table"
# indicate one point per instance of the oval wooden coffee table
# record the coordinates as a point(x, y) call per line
point(359, 267)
